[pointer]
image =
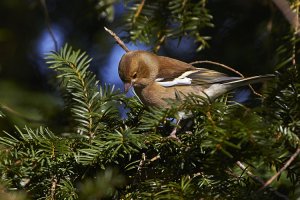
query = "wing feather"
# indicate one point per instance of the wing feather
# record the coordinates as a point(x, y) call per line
point(197, 76)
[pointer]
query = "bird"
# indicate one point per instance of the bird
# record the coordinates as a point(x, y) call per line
point(157, 79)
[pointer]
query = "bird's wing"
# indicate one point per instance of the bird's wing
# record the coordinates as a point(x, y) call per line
point(196, 76)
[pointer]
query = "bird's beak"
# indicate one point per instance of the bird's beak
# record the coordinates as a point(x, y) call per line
point(127, 86)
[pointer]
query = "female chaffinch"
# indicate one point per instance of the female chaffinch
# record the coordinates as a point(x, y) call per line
point(157, 78)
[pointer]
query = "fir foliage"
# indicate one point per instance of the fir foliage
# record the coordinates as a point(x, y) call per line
point(105, 156)
point(89, 105)
point(152, 22)
point(201, 165)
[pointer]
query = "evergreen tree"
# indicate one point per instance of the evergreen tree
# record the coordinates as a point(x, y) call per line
point(226, 150)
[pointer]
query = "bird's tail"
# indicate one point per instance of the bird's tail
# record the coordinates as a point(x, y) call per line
point(250, 80)
point(217, 90)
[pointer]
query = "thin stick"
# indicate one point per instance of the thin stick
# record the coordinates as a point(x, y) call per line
point(155, 158)
point(142, 162)
point(118, 40)
point(258, 179)
point(53, 187)
point(249, 173)
point(219, 64)
point(292, 158)
point(140, 167)
point(228, 68)
point(139, 10)
point(160, 41)
point(47, 20)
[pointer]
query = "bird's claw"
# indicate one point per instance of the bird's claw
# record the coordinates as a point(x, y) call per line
point(173, 135)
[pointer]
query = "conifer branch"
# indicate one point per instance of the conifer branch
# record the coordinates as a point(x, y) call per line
point(258, 179)
point(292, 158)
point(249, 173)
point(89, 104)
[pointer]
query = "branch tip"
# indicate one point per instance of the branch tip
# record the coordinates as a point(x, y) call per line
point(118, 40)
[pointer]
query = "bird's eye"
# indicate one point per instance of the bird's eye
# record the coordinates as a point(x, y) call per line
point(134, 75)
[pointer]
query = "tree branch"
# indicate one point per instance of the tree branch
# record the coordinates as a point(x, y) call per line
point(118, 40)
point(258, 179)
point(139, 10)
point(53, 187)
point(292, 158)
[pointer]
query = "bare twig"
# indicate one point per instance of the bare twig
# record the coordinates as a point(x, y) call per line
point(249, 173)
point(53, 187)
point(142, 162)
point(291, 17)
point(155, 158)
point(139, 10)
point(159, 43)
point(292, 158)
point(47, 20)
point(118, 40)
point(258, 179)
point(228, 68)
point(219, 64)
point(140, 167)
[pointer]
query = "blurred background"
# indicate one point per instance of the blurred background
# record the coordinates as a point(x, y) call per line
point(244, 37)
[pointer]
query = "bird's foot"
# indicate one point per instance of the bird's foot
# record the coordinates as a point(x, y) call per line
point(173, 135)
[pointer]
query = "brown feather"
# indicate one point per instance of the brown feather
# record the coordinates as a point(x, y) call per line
point(141, 69)
point(171, 68)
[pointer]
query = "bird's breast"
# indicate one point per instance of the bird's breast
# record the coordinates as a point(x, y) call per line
point(156, 95)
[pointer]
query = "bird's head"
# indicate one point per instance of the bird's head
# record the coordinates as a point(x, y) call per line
point(138, 69)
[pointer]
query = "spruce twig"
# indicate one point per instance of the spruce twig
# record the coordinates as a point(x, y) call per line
point(258, 179)
point(292, 158)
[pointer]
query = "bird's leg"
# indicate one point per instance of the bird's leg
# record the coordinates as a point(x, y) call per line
point(180, 114)
point(174, 131)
